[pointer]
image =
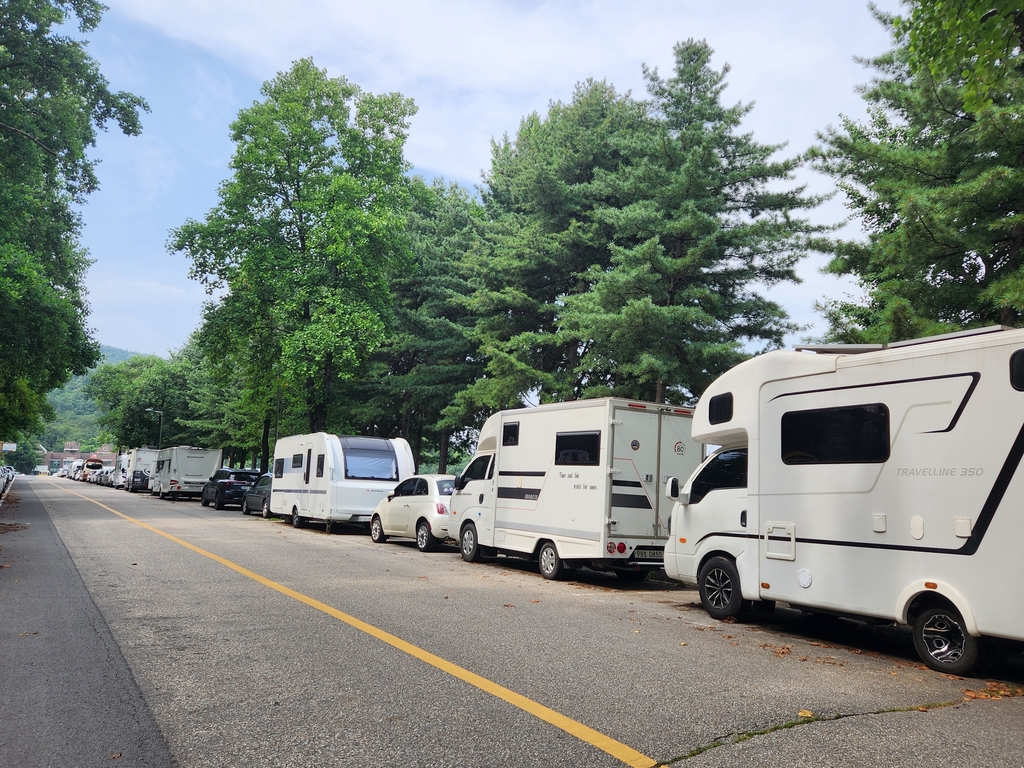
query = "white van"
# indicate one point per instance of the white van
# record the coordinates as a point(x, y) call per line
point(140, 465)
point(183, 471)
point(879, 482)
point(578, 483)
point(336, 478)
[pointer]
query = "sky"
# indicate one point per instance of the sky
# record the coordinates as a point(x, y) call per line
point(474, 68)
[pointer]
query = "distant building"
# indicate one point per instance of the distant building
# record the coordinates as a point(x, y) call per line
point(58, 460)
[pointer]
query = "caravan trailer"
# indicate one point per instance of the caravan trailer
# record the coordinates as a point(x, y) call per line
point(578, 483)
point(336, 478)
point(140, 465)
point(183, 471)
point(867, 481)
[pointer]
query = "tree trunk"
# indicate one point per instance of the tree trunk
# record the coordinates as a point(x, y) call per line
point(442, 458)
point(659, 391)
point(265, 446)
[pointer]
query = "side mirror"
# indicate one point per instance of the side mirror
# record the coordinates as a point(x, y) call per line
point(391, 496)
point(672, 488)
point(460, 482)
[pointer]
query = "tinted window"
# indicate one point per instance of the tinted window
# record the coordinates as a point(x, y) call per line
point(478, 469)
point(278, 467)
point(720, 408)
point(370, 465)
point(406, 487)
point(296, 460)
point(510, 434)
point(263, 482)
point(445, 487)
point(320, 465)
point(245, 477)
point(856, 434)
point(578, 448)
point(1017, 370)
point(726, 470)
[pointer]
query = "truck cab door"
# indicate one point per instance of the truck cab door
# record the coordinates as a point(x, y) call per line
point(475, 500)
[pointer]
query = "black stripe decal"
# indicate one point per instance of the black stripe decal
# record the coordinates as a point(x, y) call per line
point(506, 473)
point(529, 494)
point(630, 500)
point(627, 484)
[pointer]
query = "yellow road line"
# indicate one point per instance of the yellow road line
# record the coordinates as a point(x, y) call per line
point(616, 749)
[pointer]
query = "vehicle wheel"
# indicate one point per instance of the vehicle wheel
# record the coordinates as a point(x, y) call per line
point(719, 587)
point(425, 539)
point(218, 501)
point(162, 495)
point(202, 499)
point(297, 521)
point(632, 576)
point(266, 509)
point(549, 562)
point(943, 642)
point(377, 531)
point(468, 544)
point(245, 508)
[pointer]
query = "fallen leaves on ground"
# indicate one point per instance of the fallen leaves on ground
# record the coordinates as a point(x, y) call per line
point(995, 690)
point(778, 650)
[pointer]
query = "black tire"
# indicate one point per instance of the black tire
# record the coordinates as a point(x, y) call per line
point(719, 587)
point(377, 531)
point(632, 576)
point(162, 495)
point(425, 538)
point(469, 544)
point(943, 643)
point(203, 500)
point(549, 563)
point(266, 509)
point(245, 507)
point(297, 520)
point(218, 501)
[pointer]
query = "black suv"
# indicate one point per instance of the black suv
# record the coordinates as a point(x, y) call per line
point(227, 486)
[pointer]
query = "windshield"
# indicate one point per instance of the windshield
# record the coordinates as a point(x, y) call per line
point(370, 465)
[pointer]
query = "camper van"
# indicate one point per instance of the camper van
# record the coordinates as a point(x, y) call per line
point(140, 464)
point(336, 478)
point(183, 471)
point(867, 481)
point(571, 484)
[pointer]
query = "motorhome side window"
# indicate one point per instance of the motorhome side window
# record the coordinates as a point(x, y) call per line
point(278, 467)
point(1017, 370)
point(320, 465)
point(854, 434)
point(720, 408)
point(510, 434)
point(478, 469)
point(726, 470)
point(578, 449)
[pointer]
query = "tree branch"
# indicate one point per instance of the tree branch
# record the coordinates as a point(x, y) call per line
point(30, 137)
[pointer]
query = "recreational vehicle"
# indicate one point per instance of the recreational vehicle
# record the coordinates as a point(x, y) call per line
point(336, 478)
point(869, 481)
point(183, 471)
point(579, 483)
point(140, 464)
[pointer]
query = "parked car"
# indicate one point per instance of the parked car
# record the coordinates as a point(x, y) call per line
point(419, 508)
point(227, 486)
point(258, 496)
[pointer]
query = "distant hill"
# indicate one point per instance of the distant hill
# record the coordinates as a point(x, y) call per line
point(76, 415)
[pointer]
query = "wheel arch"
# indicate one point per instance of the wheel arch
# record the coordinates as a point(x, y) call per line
point(921, 595)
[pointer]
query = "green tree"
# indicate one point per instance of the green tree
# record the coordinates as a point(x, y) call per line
point(940, 192)
point(706, 216)
point(306, 232)
point(52, 101)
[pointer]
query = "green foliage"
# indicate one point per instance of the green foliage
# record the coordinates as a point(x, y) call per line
point(940, 191)
point(52, 100)
point(306, 231)
point(979, 41)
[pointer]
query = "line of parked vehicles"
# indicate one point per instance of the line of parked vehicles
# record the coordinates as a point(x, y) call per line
point(878, 482)
point(7, 474)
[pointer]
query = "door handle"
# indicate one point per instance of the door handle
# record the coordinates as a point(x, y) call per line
point(743, 518)
point(481, 499)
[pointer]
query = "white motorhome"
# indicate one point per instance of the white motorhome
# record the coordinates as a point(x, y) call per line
point(578, 483)
point(183, 471)
point(336, 478)
point(879, 482)
point(140, 465)
point(119, 476)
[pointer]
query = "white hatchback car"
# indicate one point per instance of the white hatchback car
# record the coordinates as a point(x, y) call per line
point(417, 508)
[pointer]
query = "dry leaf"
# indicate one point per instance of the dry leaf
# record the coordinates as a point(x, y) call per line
point(805, 713)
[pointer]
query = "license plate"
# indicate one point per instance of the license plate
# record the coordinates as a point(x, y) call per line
point(646, 553)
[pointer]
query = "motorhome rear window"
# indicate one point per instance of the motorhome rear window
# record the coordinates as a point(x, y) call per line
point(855, 434)
point(296, 460)
point(370, 465)
point(320, 465)
point(578, 449)
point(1017, 370)
point(720, 408)
point(278, 467)
point(510, 434)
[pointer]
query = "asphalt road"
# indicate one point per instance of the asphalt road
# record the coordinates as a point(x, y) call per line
point(120, 646)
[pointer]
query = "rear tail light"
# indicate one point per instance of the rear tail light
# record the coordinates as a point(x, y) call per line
point(441, 508)
point(621, 548)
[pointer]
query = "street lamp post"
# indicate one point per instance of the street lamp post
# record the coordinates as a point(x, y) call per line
point(160, 438)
